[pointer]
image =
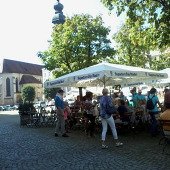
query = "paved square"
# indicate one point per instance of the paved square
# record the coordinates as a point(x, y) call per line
point(37, 149)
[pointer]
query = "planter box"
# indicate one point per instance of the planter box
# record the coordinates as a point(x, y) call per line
point(24, 119)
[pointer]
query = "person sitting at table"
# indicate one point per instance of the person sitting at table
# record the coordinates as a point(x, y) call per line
point(166, 114)
point(89, 114)
point(122, 111)
point(123, 97)
point(76, 107)
point(166, 98)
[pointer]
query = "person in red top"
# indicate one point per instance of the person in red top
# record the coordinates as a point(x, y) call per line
point(67, 113)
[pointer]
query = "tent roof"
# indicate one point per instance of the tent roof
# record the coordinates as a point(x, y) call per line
point(105, 72)
point(165, 81)
point(167, 70)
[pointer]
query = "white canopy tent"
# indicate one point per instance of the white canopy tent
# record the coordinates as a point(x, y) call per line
point(165, 81)
point(105, 74)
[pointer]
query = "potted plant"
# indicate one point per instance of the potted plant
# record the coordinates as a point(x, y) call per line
point(25, 108)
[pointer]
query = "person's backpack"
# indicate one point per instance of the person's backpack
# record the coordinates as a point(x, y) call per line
point(149, 104)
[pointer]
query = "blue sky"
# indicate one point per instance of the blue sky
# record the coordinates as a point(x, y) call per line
point(26, 25)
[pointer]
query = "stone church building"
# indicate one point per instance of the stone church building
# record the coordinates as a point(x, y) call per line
point(14, 75)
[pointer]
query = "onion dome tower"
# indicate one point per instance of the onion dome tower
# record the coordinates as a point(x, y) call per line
point(58, 18)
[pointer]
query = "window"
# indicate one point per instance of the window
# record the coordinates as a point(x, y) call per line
point(8, 88)
point(16, 83)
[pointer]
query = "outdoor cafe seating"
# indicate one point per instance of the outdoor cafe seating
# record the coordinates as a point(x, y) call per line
point(165, 139)
point(37, 119)
point(134, 120)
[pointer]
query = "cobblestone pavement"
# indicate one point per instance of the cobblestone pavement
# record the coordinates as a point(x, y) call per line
point(37, 149)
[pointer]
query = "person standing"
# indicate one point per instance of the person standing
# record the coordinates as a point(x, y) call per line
point(134, 97)
point(60, 123)
point(107, 118)
point(67, 113)
point(141, 101)
point(141, 104)
point(154, 111)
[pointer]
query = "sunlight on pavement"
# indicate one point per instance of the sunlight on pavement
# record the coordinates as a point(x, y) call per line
point(15, 112)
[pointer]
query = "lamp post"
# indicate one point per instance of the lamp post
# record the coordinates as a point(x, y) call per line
point(58, 18)
point(1, 92)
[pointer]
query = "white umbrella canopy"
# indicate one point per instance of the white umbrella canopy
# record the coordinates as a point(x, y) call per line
point(104, 74)
point(165, 81)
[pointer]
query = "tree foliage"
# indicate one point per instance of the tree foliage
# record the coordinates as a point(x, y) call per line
point(154, 15)
point(146, 29)
point(134, 44)
point(78, 43)
point(134, 47)
point(50, 93)
point(161, 63)
point(28, 94)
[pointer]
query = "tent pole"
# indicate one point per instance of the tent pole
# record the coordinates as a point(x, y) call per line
point(81, 93)
point(104, 81)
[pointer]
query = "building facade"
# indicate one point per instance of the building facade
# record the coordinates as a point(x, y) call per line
point(14, 75)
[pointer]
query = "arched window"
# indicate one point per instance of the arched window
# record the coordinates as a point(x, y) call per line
point(16, 82)
point(8, 88)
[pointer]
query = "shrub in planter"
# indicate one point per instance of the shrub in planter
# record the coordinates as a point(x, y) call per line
point(25, 108)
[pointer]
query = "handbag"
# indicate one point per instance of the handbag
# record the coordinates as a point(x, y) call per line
point(110, 109)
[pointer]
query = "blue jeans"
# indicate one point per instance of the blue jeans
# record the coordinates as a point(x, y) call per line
point(154, 124)
point(111, 123)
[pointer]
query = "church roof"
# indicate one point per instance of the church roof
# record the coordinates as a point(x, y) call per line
point(29, 79)
point(12, 66)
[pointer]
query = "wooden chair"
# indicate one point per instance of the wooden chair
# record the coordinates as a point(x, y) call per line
point(165, 133)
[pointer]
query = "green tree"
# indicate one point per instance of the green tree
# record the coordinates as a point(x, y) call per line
point(28, 94)
point(78, 43)
point(155, 15)
point(145, 30)
point(50, 93)
point(134, 44)
point(161, 62)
